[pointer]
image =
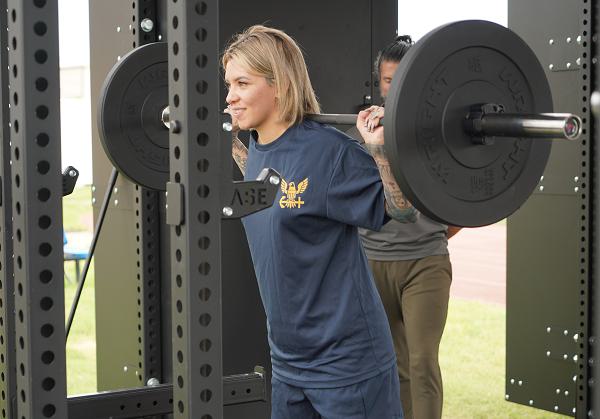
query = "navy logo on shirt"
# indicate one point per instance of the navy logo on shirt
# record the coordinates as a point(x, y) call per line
point(291, 194)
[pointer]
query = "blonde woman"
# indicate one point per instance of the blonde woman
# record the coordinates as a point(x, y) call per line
point(331, 348)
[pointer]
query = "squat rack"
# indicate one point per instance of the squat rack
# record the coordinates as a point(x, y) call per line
point(32, 361)
point(32, 334)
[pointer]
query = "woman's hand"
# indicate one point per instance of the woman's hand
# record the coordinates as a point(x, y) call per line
point(235, 127)
point(238, 149)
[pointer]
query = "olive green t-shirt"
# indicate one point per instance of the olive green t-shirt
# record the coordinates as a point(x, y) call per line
point(405, 241)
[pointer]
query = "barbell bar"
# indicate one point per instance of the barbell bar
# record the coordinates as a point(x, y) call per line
point(550, 126)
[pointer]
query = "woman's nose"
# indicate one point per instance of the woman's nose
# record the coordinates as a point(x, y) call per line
point(231, 96)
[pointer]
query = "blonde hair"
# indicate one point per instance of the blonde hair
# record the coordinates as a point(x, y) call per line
point(273, 54)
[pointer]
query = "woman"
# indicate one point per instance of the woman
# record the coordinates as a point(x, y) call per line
point(331, 347)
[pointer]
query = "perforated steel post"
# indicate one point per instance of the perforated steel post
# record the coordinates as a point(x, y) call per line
point(148, 237)
point(592, 343)
point(7, 319)
point(587, 201)
point(148, 230)
point(195, 207)
point(37, 208)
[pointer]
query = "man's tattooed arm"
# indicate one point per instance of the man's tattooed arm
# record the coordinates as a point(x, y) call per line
point(396, 205)
point(240, 154)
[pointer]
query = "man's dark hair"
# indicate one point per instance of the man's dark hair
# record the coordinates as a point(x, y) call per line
point(393, 52)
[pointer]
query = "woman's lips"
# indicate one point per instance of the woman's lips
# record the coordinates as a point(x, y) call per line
point(237, 111)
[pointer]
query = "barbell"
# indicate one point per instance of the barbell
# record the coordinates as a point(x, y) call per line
point(467, 121)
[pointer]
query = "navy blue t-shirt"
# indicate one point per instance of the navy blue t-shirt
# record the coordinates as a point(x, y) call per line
point(326, 323)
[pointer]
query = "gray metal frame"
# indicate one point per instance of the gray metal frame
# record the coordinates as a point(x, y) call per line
point(7, 319)
point(148, 234)
point(195, 156)
point(149, 284)
point(548, 240)
point(114, 31)
point(594, 313)
point(158, 400)
point(37, 210)
point(594, 329)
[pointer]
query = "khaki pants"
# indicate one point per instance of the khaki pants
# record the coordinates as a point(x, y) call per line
point(415, 296)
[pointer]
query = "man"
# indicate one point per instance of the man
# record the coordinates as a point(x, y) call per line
point(412, 271)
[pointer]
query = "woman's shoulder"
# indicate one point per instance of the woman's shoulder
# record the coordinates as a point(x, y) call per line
point(326, 135)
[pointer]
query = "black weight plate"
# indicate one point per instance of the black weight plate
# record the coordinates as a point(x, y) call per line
point(438, 167)
point(132, 99)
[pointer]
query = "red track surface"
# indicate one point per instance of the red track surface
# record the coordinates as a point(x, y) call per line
point(478, 258)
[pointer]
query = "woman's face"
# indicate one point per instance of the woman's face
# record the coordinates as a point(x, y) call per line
point(251, 99)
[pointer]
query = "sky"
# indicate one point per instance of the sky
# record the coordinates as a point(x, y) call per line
point(417, 17)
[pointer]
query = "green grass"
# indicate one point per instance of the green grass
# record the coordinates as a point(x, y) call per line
point(77, 210)
point(472, 358)
point(81, 345)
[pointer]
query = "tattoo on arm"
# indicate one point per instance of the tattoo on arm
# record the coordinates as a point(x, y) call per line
point(240, 154)
point(396, 205)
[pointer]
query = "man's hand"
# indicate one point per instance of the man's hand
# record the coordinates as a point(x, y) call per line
point(396, 205)
point(368, 124)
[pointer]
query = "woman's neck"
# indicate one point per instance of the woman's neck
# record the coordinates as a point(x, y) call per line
point(270, 132)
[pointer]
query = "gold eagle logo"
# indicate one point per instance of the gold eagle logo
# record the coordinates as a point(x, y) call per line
point(291, 194)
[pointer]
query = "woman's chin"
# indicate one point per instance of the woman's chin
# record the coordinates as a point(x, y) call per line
point(244, 126)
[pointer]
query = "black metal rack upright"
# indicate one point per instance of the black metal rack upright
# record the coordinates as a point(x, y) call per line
point(36, 191)
point(7, 319)
point(196, 192)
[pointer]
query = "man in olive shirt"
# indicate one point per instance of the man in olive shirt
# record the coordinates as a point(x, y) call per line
point(412, 271)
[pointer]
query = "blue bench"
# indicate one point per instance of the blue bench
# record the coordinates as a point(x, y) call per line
point(75, 254)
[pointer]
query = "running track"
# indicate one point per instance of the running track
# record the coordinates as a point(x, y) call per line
point(478, 258)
